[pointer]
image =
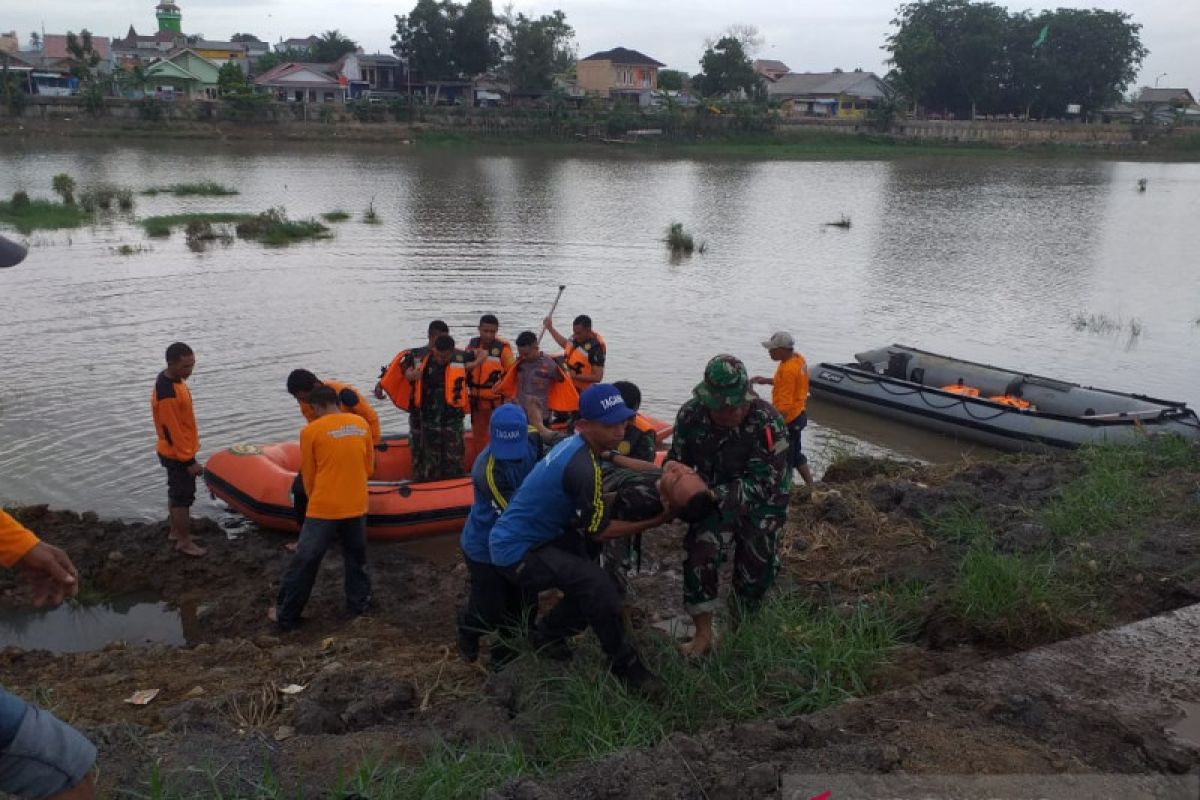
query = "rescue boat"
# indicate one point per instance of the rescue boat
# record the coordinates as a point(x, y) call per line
point(1003, 408)
point(255, 480)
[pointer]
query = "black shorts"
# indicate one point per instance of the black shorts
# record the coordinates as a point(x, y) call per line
point(796, 457)
point(181, 487)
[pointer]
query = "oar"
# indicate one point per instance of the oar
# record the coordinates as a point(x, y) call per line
point(12, 254)
point(551, 314)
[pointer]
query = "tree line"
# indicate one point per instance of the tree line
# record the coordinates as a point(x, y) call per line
point(970, 59)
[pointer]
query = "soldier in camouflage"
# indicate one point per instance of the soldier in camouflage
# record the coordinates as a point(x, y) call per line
point(737, 442)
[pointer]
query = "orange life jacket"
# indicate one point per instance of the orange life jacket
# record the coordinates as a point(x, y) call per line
point(577, 359)
point(562, 396)
point(487, 375)
point(958, 388)
point(406, 395)
point(1011, 400)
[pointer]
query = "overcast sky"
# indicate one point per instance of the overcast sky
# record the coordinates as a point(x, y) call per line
point(807, 35)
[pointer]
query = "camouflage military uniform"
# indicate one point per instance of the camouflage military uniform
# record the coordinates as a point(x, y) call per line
point(436, 441)
point(634, 498)
point(747, 469)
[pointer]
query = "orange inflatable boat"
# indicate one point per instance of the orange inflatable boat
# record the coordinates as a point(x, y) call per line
point(256, 481)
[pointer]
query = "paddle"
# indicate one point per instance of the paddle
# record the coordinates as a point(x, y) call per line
point(551, 314)
point(12, 253)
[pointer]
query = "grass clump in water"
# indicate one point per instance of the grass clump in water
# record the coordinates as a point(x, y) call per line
point(163, 225)
point(197, 189)
point(335, 216)
point(28, 215)
point(274, 228)
point(679, 241)
point(130, 249)
point(371, 216)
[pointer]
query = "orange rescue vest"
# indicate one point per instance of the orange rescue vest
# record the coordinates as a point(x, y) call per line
point(578, 361)
point(1012, 401)
point(406, 395)
point(562, 396)
point(487, 375)
point(958, 388)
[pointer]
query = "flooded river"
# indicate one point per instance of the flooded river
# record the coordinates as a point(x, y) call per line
point(983, 258)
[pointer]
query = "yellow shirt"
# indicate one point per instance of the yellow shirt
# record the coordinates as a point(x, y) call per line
point(359, 407)
point(789, 392)
point(336, 461)
point(15, 540)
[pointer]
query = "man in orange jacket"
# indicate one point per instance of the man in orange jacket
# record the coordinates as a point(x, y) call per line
point(336, 463)
point(482, 380)
point(789, 395)
point(584, 354)
point(178, 443)
point(41, 756)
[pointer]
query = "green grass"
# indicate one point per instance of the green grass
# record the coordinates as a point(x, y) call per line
point(335, 216)
point(272, 227)
point(197, 189)
point(1112, 492)
point(163, 225)
point(36, 215)
point(958, 524)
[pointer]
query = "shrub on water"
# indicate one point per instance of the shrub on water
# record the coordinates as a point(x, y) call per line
point(20, 200)
point(64, 186)
point(679, 241)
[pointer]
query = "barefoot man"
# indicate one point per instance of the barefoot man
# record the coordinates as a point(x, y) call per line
point(737, 442)
point(178, 443)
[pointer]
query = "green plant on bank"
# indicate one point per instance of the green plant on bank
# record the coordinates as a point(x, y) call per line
point(335, 216)
point(1112, 492)
point(370, 216)
point(92, 96)
point(198, 188)
point(274, 228)
point(161, 226)
point(679, 241)
point(64, 186)
point(247, 106)
point(958, 524)
point(29, 215)
point(326, 114)
point(151, 109)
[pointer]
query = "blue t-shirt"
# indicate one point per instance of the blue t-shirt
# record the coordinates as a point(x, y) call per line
point(562, 493)
point(495, 481)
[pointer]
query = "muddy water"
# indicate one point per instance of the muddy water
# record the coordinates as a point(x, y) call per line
point(982, 258)
point(73, 628)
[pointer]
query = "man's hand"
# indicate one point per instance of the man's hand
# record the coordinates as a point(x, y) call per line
point(760, 380)
point(51, 575)
point(378, 391)
point(412, 374)
point(548, 323)
point(195, 470)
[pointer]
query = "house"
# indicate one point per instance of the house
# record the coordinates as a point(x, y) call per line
point(9, 43)
point(845, 95)
point(12, 61)
point(184, 74)
point(295, 82)
point(1166, 106)
point(618, 73)
point(222, 52)
point(138, 49)
point(54, 54)
point(770, 70)
point(375, 75)
point(307, 43)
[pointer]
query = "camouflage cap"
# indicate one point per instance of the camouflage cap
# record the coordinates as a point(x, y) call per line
point(725, 383)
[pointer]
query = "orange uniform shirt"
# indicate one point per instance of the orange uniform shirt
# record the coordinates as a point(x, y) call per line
point(15, 540)
point(789, 392)
point(336, 461)
point(359, 407)
point(174, 419)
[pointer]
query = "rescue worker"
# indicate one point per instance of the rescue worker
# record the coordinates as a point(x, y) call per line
point(396, 379)
point(494, 603)
point(584, 353)
point(178, 443)
point(300, 383)
point(41, 756)
point(483, 379)
point(540, 541)
point(789, 395)
point(336, 463)
point(737, 442)
point(537, 378)
point(440, 397)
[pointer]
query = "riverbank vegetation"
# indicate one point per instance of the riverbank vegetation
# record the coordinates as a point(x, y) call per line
point(273, 227)
point(28, 215)
point(197, 189)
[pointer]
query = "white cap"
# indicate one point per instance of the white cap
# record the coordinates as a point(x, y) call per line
point(780, 339)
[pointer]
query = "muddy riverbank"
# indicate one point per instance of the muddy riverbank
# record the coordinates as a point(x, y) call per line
point(894, 575)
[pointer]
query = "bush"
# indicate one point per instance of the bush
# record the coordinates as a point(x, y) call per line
point(273, 227)
point(326, 114)
point(64, 186)
point(247, 106)
point(679, 241)
point(151, 109)
point(20, 200)
point(92, 96)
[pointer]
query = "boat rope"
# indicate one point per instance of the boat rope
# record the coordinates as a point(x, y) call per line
point(920, 392)
point(421, 487)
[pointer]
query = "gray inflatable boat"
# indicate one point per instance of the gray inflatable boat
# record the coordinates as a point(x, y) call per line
point(998, 407)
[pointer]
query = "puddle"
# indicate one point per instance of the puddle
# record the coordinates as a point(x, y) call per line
point(135, 620)
point(1187, 728)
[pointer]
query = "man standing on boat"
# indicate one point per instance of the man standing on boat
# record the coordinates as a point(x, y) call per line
point(541, 540)
point(397, 378)
point(737, 442)
point(442, 403)
point(178, 443)
point(300, 384)
point(789, 395)
point(584, 353)
point(536, 379)
point(484, 378)
point(336, 462)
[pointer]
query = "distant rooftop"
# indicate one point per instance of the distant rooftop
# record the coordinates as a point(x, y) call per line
point(622, 55)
